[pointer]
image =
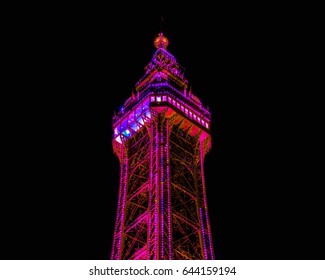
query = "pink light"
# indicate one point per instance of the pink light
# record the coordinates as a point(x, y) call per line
point(156, 241)
point(205, 199)
point(161, 197)
point(152, 208)
point(150, 196)
point(168, 194)
point(203, 236)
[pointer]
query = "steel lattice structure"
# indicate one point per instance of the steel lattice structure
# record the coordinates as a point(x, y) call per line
point(161, 136)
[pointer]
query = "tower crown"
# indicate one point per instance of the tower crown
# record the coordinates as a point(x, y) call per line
point(163, 85)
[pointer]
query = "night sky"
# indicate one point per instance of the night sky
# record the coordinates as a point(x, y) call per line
point(76, 69)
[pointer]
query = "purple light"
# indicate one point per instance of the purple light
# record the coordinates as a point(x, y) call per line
point(203, 235)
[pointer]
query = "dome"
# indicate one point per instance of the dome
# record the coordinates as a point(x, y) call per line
point(161, 41)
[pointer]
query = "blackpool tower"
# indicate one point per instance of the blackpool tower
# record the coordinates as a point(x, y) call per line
point(161, 136)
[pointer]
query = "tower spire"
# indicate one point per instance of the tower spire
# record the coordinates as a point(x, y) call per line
point(161, 23)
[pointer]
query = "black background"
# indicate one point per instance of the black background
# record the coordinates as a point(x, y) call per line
point(72, 67)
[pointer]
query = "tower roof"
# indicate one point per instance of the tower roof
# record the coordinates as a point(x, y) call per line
point(161, 41)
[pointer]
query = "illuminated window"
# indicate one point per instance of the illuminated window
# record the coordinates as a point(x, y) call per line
point(191, 115)
point(194, 116)
point(152, 99)
point(118, 139)
point(178, 105)
point(126, 133)
point(169, 100)
point(158, 98)
point(206, 125)
point(164, 98)
point(182, 107)
point(135, 126)
point(186, 111)
point(140, 120)
point(148, 114)
point(198, 119)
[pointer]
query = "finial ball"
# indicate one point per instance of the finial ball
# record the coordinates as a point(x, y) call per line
point(161, 41)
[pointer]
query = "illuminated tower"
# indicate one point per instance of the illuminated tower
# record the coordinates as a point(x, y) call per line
point(161, 136)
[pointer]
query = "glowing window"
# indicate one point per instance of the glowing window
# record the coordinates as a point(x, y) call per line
point(206, 125)
point(169, 100)
point(198, 119)
point(148, 114)
point(174, 103)
point(140, 120)
point(164, 98)
point(194, 116)
point(158, 98)
point(152, 99)
point(191, 115)
point(202, 121)
point(135, 126)
point(186, 111)
point(182, 107)
point(118, 139)
point(178, 105)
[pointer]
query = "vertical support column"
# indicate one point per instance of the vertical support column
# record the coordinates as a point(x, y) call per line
point(205, 216)
point(119, 223)
point(168, 187)
point(149, 247)
point(156, 191)
point(162, 179)
point(203, 235)
point(125, 183)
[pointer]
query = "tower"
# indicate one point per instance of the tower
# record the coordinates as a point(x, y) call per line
point(161, 136)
